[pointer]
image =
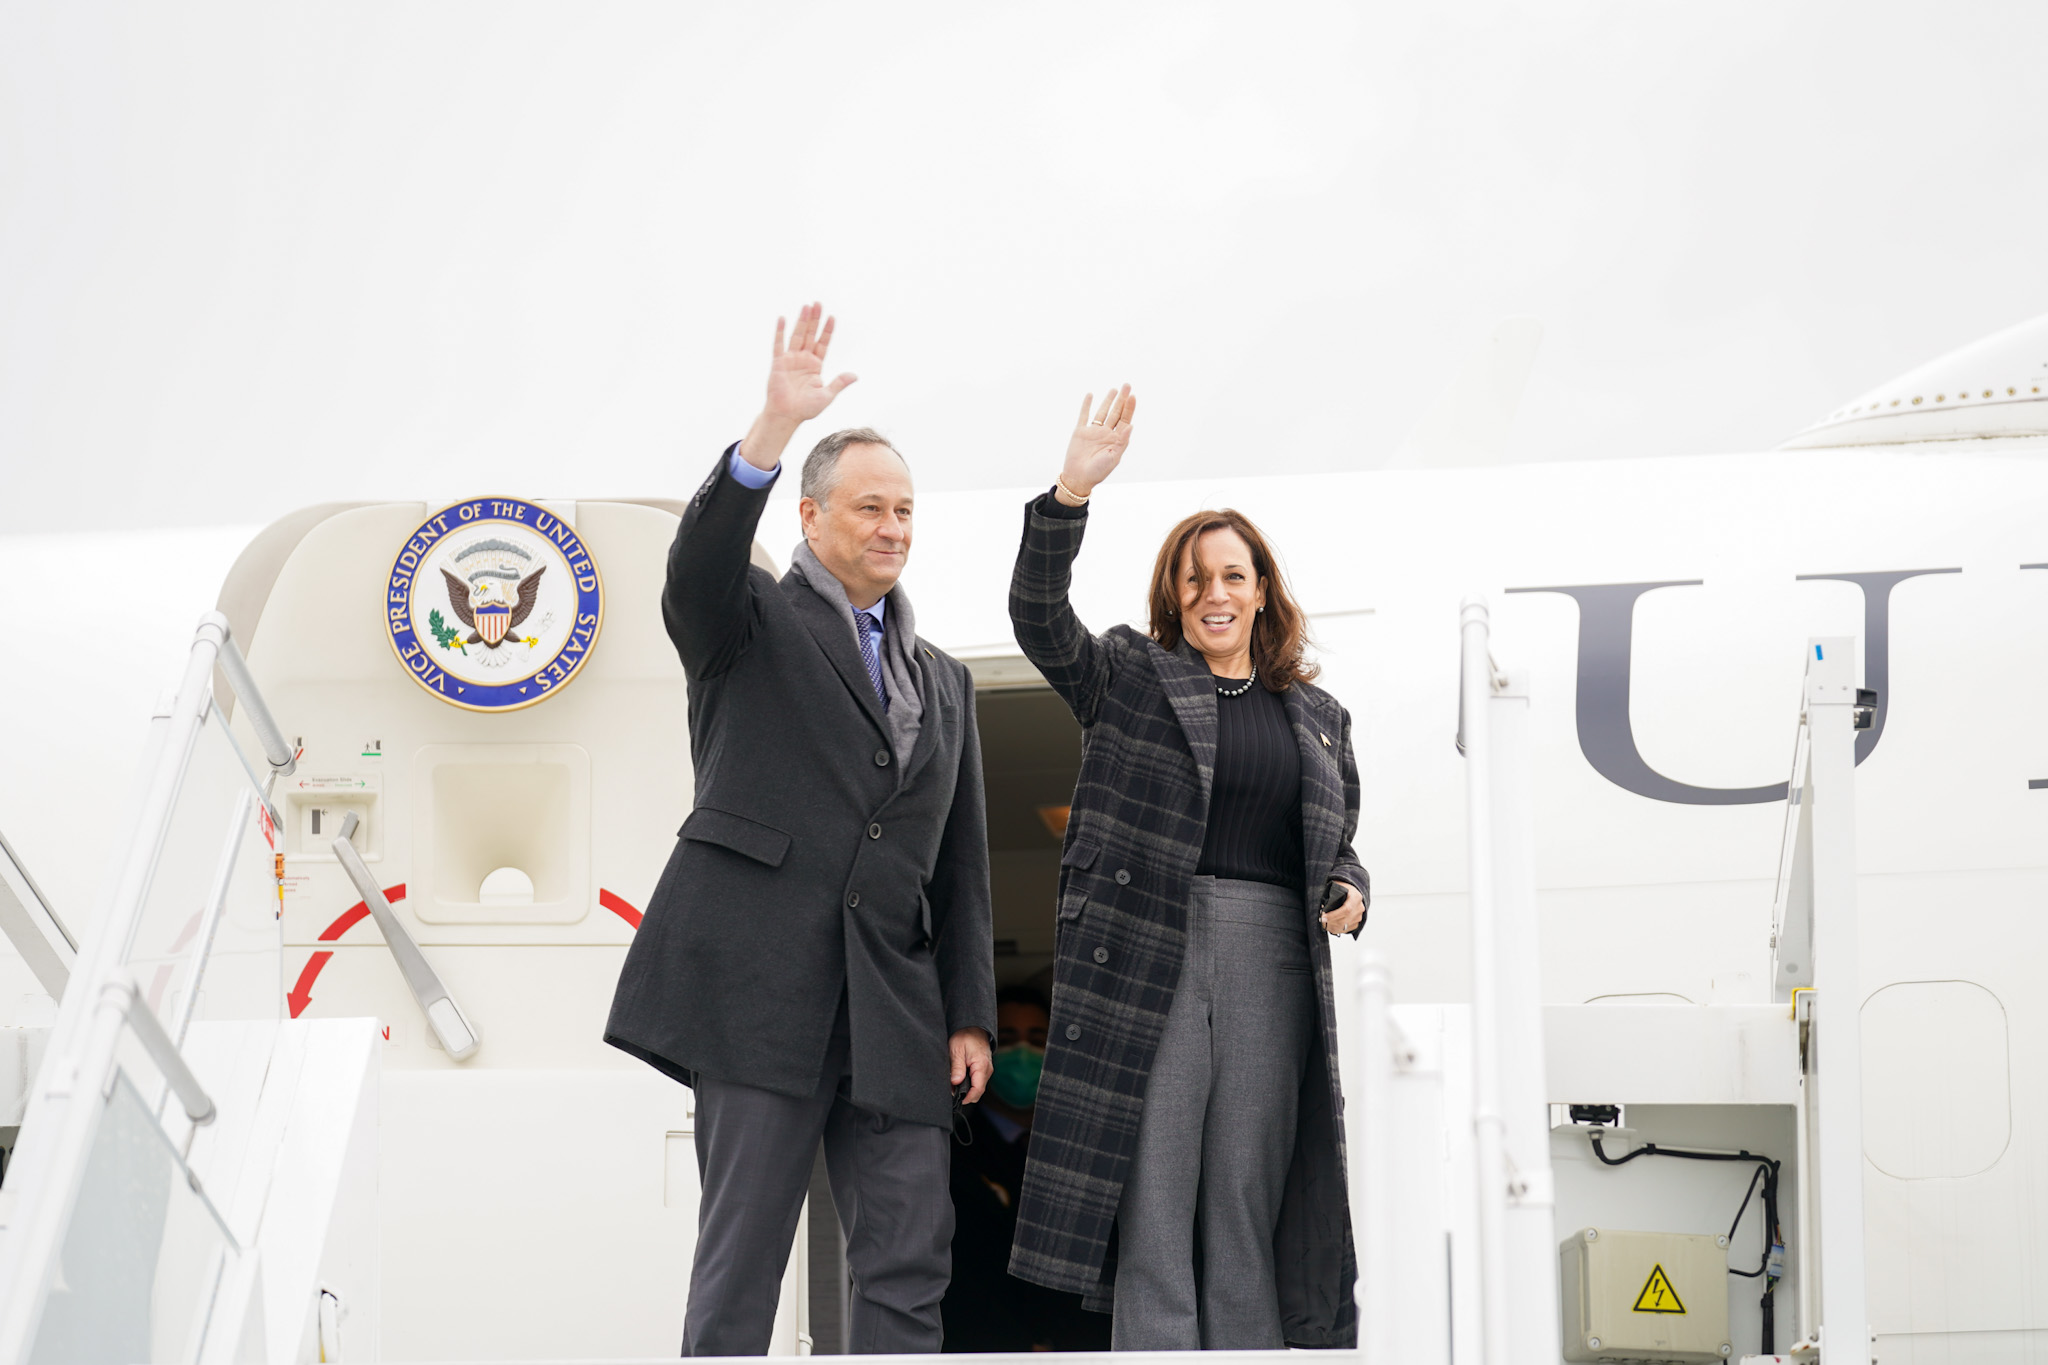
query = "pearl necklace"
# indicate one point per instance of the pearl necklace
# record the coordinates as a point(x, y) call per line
point(1242, 687)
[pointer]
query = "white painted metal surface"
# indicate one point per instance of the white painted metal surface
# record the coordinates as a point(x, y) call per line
point(1513, 1190)
point(1477, 684)
point(1834, 1046)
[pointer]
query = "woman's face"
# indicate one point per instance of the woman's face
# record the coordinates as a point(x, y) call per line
point(1216, 615)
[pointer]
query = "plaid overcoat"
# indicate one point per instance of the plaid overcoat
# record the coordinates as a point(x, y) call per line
point(1134, 837)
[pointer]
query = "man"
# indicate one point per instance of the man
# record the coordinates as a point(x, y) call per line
point(987, 1308)
point(817, 960)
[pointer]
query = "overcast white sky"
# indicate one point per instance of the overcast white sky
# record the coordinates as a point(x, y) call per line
point(257, 255)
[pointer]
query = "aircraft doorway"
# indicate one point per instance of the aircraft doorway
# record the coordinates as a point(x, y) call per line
point(1031, 754)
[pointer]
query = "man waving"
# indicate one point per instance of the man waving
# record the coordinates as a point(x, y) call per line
point(817, 959)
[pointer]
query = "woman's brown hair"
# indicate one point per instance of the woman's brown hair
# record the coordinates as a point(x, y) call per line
point(1279, 633)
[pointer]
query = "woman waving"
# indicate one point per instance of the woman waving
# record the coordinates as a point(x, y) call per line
point(1190, 1096)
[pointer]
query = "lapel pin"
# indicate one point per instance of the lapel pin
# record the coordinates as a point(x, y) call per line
point(1324, 738)
point(933, 657)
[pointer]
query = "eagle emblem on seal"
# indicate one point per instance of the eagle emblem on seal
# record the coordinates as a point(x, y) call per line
point(495, 590)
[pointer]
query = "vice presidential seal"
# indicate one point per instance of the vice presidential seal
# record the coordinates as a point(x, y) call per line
point(493, 604)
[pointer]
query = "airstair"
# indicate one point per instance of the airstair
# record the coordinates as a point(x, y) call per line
point(196, 1175)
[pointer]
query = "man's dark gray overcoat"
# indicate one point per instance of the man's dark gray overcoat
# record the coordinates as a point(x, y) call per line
point(1134, 836)
point(813, 862)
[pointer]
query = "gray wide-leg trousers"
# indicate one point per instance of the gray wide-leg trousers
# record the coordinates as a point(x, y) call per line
point(889, 1178)
point(1218, 1129)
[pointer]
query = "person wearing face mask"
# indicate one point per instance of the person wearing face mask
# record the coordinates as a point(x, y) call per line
point(987, 1308)
point(1187, 1162)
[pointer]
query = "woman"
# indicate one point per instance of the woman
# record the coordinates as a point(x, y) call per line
point(1190, 1093)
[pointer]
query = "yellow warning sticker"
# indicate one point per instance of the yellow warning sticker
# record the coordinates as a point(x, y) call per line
point(1658, 1296)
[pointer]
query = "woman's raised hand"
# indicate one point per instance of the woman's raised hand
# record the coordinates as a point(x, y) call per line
point(1098, 443)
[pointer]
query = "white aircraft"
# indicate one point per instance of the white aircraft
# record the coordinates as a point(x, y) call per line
point(418, 1147)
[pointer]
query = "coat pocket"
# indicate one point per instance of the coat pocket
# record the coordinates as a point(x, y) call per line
point(1073, 901)
point(748, 838)
point(1079, 855)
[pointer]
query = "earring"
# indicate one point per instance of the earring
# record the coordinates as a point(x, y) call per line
point(1262, 610)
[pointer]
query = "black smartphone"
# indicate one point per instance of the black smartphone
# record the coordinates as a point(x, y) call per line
point(963, 1131)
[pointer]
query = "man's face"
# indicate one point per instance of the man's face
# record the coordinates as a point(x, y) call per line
point(861, 531)
point(1017, 1022)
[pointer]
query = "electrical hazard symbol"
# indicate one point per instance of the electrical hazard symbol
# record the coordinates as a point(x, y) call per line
point(1658, 1296)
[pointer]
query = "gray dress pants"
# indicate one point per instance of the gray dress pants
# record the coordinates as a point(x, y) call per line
point(889, 1178)
point(1195, 1230)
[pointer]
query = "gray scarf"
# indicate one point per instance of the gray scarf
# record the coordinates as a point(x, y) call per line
point(899, 639)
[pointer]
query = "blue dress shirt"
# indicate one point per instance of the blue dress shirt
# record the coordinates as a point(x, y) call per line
point(747, 474)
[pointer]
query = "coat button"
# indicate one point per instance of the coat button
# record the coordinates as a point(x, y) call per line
point(1123, 878)
point(874, 831)
point(881, 758)
point(853, 900)
point(1073, 1032)
point(1102, 954)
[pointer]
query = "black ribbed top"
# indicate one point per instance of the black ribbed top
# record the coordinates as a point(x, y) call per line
point(1255, 802)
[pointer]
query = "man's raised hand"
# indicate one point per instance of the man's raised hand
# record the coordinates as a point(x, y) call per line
point(797, 390)
point(1098, 442)
point(796, 387)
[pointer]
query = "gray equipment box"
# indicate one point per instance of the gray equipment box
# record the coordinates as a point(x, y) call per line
point(1642, 1297)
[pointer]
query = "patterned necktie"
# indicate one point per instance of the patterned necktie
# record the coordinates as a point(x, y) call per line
point(869, 629)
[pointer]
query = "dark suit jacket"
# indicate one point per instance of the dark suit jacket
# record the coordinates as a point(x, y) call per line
point(814, 864)
point(1139, 817)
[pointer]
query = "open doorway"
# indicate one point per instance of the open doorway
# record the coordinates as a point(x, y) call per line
point(1030, 754)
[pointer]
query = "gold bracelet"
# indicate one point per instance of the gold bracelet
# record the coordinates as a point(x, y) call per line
point(1060, 482)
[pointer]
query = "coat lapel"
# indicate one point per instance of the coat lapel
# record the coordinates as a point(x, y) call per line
point(1322, 785)
point(835, 638)
point(939, 702)
point(1191, 688)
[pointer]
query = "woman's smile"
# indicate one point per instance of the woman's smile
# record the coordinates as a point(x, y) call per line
point(1220, 596)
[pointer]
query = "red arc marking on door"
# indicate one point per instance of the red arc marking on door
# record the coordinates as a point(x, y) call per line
point(301, 995)
point(617, 905)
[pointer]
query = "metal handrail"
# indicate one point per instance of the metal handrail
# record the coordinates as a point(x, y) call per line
point(258, 783)
point(32, 924)
point(275, 750)
point(458, 1036)
point(42, 901)
point(126, 996)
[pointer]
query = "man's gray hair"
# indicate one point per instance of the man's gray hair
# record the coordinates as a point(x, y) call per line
point(821, 466)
